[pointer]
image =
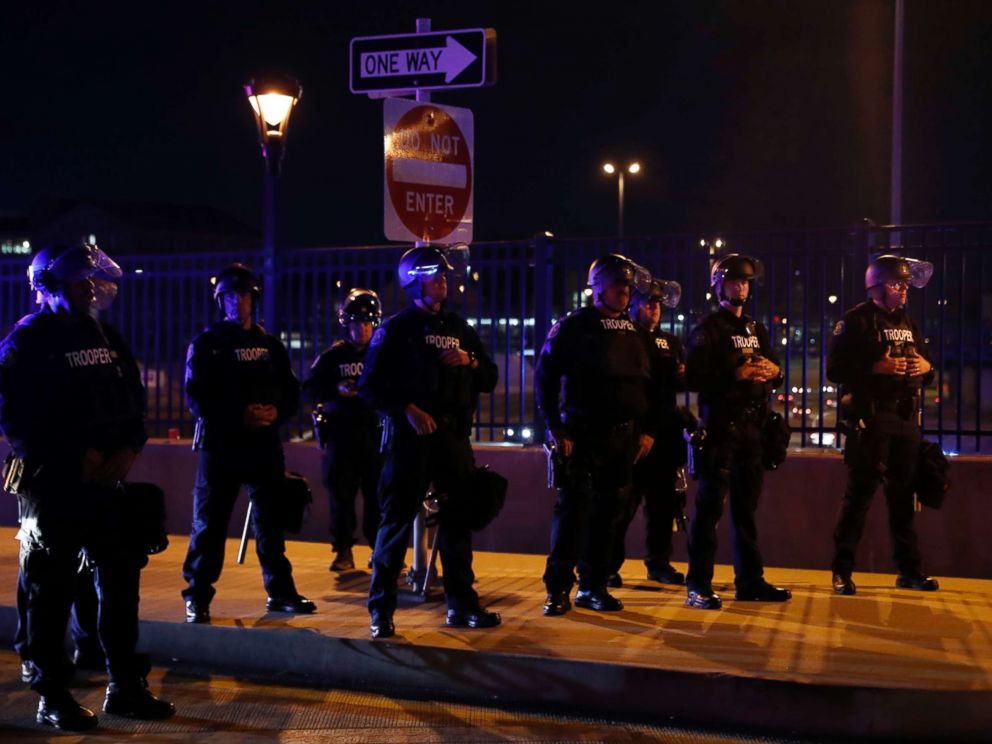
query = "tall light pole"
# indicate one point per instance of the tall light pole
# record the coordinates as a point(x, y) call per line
point(633, 169)
point(272, 98)
point(895, 177)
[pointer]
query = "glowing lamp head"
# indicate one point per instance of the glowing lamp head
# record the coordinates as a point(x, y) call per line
point(272, 99)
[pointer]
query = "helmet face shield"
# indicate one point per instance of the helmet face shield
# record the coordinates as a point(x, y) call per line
point(104, 265)
point(672, 293)
point(458, 257)
point(105, 292)
point(920, 272)
point(53, 268)
point(668, 293)
point(421, 263)
point(614, 268)
point(641, 278)
point(892, 268)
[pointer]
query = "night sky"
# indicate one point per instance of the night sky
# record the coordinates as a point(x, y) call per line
point(745, 115)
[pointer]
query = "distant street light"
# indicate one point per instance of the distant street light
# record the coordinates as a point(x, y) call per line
point(272, 98)
point(633, 169)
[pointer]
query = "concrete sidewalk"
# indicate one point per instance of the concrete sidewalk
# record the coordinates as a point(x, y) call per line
point(886, 662)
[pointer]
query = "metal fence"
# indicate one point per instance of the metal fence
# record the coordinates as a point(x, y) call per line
point(513, 291)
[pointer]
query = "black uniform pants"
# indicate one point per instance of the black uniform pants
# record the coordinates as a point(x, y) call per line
point(885, 452)
point(654, 484)
point(82, 617)
point(351, 462)
point(55, 527)
point(591, 504)
point(219, 478)
point(413, 463)
point(732, 464)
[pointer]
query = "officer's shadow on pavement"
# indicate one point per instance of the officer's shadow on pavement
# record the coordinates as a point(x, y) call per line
point(627, 621)
point(355, 581)
point(898, 615)
point(722, 636)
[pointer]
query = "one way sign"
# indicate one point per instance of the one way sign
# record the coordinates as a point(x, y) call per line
point(465, 58)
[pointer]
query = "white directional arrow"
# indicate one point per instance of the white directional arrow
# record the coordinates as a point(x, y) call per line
point(450, 59)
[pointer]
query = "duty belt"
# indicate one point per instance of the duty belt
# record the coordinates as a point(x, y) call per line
point(603, 429)
point(904, 407)
point(741, 412)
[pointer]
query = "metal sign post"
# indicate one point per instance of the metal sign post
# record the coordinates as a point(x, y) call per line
point(428, 186)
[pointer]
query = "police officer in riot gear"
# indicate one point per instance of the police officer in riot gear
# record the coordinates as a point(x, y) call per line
point(424, 371)
point(732, 365)
point(240, 386)
point(655, 476)
point(348, 427)
point(87, 653)
point(879, 358)
point(601, 364)
point(71, 406)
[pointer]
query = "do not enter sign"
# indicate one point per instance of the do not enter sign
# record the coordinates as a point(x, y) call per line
point(428, 186)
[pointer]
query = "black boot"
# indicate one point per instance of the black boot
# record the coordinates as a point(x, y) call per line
point(62, 711)
point(558, 602)
point(844, 584)
point(597, 599)
point(763, 592)
point(133, 700)
point(666, 574)
point(197, 612)
point(918, 581)
point(476, 617)
point(343, 560)
point(381, 625)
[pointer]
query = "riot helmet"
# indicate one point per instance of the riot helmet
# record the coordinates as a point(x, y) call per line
point(735, 266)
point(668, 293)
point(361, 305)
point(613, 269)
point(421, 262)
point(236, 278)
point(55, 267)
point(890, 268)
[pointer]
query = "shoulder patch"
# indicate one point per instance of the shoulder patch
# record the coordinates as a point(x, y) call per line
point(554, 330)
point(839, 328)
point(379, 336)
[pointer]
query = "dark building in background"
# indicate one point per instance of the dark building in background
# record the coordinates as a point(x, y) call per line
point(137, 227)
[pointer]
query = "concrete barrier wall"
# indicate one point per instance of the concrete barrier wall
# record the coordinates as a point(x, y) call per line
point(795, 515)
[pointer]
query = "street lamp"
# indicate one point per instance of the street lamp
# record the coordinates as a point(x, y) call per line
point(633, 169)
point(272, 98)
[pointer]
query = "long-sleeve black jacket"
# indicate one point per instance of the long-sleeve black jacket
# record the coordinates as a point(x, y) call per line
point(719, 344)
point(595, 371)
point(342, 362)
point(68, 383)
point(403, 366)
point(860, 339)
point(228, 368)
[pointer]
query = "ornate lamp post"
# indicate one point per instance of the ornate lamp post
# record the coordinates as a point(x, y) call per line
point(272, 98)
